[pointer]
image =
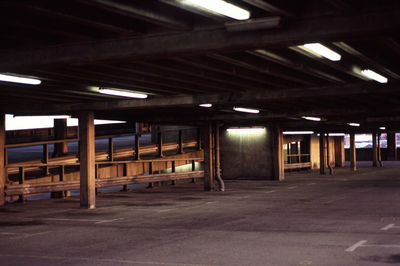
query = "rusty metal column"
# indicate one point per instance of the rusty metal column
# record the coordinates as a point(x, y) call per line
point(3, 175)
point(87, 160)
point(353, 157)
point(207, 140)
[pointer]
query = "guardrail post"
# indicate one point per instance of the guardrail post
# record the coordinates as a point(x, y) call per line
point(111, 149)
point(180, 142)
point(193, 169)
point(21, 181)
point(173, 171)
point(137, 147)
point(151, 184)
point(199, 139)
point(45, 159)
point(160, 144)
point(125, 173)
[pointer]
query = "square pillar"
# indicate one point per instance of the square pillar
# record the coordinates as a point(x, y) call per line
point(3, 175)
point(353, 157)
point(207, 140)
point(87, 160)
point(391, 146)
point(60, 132)
point(339, 152)
point(322, 157)
point(374, 151)
point(277, 154)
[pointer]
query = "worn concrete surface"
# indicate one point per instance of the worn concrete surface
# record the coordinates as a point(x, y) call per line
point(345, 219)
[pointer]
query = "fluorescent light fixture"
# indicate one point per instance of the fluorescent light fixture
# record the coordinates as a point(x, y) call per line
point(220, 7)
point(123, 93)
point(207, 105)
point(320, 50)
point(245, 129)
point(373, 75)
point(311, 118)
point(246, 110)
point(354, 124)
point(336, 134)
point(18, 79)
point(382, 128)
point(298, 132)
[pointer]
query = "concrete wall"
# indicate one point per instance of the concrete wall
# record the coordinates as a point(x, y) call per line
point(246, 155)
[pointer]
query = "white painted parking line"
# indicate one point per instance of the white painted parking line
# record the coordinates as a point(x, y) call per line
point(292, 187)
point(361, 243)
point(29, 235)
point(389, 226)
point(356, 245)
point(271, 191)
point(81, 220)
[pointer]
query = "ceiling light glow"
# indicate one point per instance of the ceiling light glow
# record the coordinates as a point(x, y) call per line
point(373, 75)
point(206, 105)
point(123, 93)
point(319, 49)
point(298, 132)
point(18, 79)
point(336, 134)
point(382, 128)
point(220, 7)
point(311, 118)
point(246, 110)
point(245, 129)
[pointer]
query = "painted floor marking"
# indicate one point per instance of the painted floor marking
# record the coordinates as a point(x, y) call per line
point(82, 220)
point(361, 243)
point(22, 235)
point(356, 245)
point(271, 191)
point(389, 226)
point(312, 184)
point(292, 187)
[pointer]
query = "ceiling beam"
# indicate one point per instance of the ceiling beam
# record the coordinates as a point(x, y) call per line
point(249, 98)
point(206, 40)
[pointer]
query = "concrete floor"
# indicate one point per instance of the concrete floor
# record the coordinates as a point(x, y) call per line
point(345, 219)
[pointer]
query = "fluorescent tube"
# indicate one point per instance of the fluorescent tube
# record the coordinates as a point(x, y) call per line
point(221, 7)
point(354, 124)
point(123, 93)
point(298, 132)
point(207, 105)
point(17, 79)
point(246, 110)
point(373, 75)
point(321, 50)
point(311, 118)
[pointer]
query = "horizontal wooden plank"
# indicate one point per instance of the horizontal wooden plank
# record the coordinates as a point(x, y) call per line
point(106, 182)
point(297, 165)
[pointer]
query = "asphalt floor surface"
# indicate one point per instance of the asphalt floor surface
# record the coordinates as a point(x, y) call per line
point(308, 219)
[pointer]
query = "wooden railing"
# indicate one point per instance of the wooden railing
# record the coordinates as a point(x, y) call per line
point(111, 161)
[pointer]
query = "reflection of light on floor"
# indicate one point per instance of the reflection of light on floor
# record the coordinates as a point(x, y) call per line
point(33, 122)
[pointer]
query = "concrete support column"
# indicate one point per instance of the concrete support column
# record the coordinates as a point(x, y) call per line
point(391, 146)
point(277, 154)
point(353, 159)
point(322, 157)
point(60, 132)
point(339, 152)
point(3, 173)
point(207, 140)
point(374, 151)
point(87, 160)
point(379, 150)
